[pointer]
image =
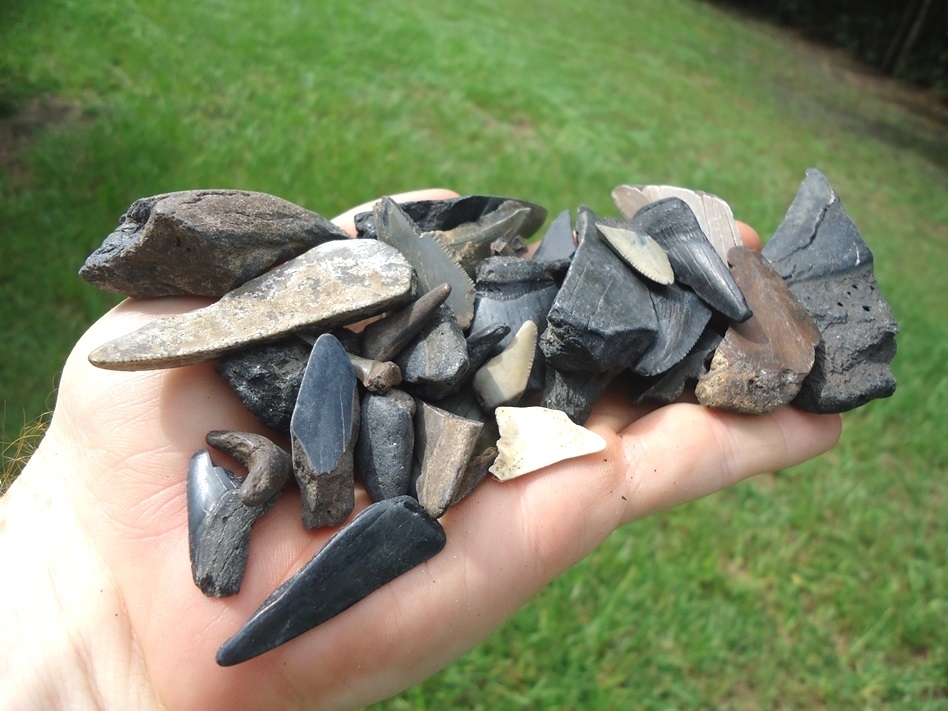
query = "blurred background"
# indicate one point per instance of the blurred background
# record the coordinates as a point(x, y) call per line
point(821, 587)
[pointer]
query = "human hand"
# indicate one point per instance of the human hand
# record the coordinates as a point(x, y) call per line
point(103, 606)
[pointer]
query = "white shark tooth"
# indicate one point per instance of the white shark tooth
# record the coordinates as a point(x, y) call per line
point(535, 437)
point(503, 379)
point(714, 215)
point(640, 252)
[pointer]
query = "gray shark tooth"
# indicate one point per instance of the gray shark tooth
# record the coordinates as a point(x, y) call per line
point(640, 252)
point(335, 283)
point(713, 214)
point(202, 242)
point(443, 445)
point(668, 386)
point(559, 242)
point(602, 317)
point(434, 362)
point(503, 379)
point(432, 215)
point(323, 431)
point(535, 437)
point(829, 268)
point(682, 318)
point(383, 454)
point(673, 225)
point(269, 467)
point(761, 363)
point(433, 264)
point(218, 527)
point(472, 242)
point(384, 339)
point(476, 471)
point(376, 376)
point(384, 541)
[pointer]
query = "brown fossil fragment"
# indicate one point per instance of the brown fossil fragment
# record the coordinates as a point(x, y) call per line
point(269, 467)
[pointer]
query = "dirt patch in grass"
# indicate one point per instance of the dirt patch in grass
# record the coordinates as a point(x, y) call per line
point(19, 127)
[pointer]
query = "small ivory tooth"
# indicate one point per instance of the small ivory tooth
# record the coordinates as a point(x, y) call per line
point(377, 376)
point(503, 379)
point(640, 252)
point(535, 437)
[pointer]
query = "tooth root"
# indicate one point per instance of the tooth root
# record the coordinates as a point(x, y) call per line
point(386, 540)
point(323, 431)
point(535, 437)
point(503, 379)
point(377, 377)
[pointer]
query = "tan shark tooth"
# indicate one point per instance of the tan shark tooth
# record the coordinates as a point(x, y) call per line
point(433, 263)
point(640, 252)
point(376, 376)
point(503, 379)
point(535, 437)
point(714, 215)
point(336, 283)
point(472, 242)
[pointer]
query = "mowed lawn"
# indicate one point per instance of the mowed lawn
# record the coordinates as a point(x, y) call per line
point(825, 586)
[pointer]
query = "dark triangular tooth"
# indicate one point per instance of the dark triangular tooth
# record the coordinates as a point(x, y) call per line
point(829, 268)
point(431, 215)
point(383, 454)
point(602, 318)
point(668, 386)
point(639, 251)
point(559, 242)
point(437, 357)
point(673, 225)
point(713, 214)
point(432, 262)
point(575, 393)
point(218, 527)
point(761, 363)
point(443, 445)
point(269, 467)
point(384, 339)
point(682, 317)
point(356, 279)
point(387, 539)
point(323, 431)
point(472, 242)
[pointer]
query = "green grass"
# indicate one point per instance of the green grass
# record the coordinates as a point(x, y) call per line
point(821, 587)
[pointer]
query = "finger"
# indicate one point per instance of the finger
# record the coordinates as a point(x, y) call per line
point(347, 222)
point(749, 236)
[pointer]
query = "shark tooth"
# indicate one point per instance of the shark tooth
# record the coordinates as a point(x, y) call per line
point(434, 362)
point(472, 242)
point(713, 214)
point(535, 437)
point(682, 318)
point(602, 317)
point(323, 431)
point(335, 283)
point(443, 445)
point(218, 527)
point(761, 363)
point(672, 224)
point(640, 252)
point(433, 264)
point(383, 454)
point(829, 268)
point(668, 386)
point(503, 379)
point(386, 338)
point(376, 376)
point(202, 242)
point(559, 242)
point(575, 392)
point(476, 471)
point(269, 467)
point(384, 541)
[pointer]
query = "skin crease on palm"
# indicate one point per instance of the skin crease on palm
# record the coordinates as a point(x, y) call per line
point(104, 612)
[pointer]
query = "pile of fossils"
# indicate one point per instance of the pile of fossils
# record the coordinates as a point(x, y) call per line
point(420, 404)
